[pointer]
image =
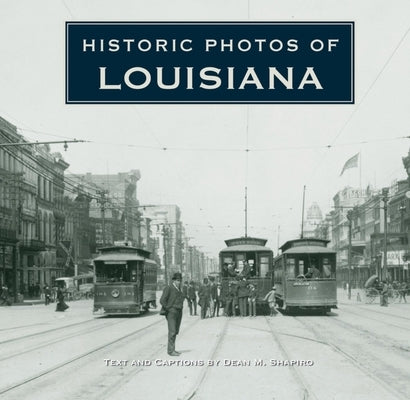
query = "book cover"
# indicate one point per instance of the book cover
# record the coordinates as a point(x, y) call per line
point(174, 126)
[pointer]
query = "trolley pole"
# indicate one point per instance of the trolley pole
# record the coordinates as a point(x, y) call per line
point(246, 211)
point(349, 255)
point(303, 210)
point(385, 192)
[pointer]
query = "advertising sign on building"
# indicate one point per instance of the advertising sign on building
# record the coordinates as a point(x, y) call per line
point(395, 257)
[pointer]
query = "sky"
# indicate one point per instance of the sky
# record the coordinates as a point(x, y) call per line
point(205, 168)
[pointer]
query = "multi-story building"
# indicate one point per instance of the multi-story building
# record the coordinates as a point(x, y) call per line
point(312, 221)
point(31, 210)
point(168, 236)
point(375, 216)
point(114, 208)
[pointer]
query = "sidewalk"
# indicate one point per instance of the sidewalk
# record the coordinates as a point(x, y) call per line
point(26, 302)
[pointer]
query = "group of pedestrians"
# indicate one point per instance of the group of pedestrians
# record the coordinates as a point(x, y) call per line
point(239, 295)
point(239, 298)
point(210, 298)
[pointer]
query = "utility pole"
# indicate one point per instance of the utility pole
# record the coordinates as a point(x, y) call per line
point(190, 263)
point(385, 193)
point(102, 200)
point(164, 236)
point(349, 255)
point(18, 207)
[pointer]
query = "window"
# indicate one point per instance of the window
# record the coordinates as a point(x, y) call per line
point(290, 268)
point(264, 266)
point(301, 267)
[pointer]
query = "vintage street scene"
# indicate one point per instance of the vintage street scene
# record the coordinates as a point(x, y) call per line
point(358, 351)
point(204, 200)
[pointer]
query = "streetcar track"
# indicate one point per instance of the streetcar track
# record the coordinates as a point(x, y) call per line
point(281, 333)
point(204, 372)
point(381, 312)
point(353, 360)
point(23, 326)
point(74, 359)
point(47, 331)
point(305, 387)
point(372, 334)
point(378, 320)
point(60, 339)
point(112, 389)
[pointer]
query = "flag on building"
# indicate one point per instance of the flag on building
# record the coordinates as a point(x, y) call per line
point(352, 162)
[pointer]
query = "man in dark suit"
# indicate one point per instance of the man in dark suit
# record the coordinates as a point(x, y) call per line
point(172, 300)
point(217, 300)
point(204, 295)
point(213, 299)
point(192, 298)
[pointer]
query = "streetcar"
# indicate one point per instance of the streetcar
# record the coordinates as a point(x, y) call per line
point(125, 281)
point(247, 257)
point(305, 275)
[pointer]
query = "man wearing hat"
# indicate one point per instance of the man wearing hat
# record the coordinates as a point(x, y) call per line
point(172, 300)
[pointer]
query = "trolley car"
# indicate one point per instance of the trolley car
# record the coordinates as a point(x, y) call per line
point(249, 257)
point(305, 275)
point(125, 281)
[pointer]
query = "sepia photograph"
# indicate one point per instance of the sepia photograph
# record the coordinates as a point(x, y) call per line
point(204, 200)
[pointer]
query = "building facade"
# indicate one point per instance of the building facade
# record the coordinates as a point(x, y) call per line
point(31, 211)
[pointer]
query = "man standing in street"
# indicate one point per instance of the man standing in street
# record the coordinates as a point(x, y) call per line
point(192, 298)
point(217, 300)
point(204, 295)
point(243, 292)
point(47, 295)
point(384, 294)
point(213, 297)
point(184, 290)
point(229, 309)
point(403, 291)
point(172, 300)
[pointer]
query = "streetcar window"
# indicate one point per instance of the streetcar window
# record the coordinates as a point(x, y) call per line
point(290, 268)
point(264, 266)
point(240, 258)
point(326, 271)
point(301, 267)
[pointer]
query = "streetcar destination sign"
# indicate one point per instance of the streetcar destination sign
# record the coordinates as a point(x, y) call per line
point(210, 62)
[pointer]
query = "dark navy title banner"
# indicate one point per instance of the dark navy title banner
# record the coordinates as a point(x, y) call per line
point(210, 62)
